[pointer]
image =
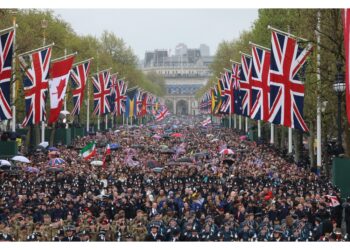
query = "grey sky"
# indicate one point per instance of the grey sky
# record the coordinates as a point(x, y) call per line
point(149, 29)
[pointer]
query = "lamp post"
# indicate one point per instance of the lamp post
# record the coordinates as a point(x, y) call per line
point(339, 88)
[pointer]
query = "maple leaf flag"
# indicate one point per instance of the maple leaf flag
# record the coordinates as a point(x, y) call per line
point(59, 72)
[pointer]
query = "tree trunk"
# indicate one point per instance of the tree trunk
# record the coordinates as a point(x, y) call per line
point(52, 135)
point(297, 147)
point(283, 138)
point(37, 134)
point(311, 146)
point(347, 139)
point(27, 143)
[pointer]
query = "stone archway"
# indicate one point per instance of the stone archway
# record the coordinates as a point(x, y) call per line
point(182, 107)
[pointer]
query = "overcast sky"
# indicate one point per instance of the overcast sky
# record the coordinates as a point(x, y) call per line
point(147, 29)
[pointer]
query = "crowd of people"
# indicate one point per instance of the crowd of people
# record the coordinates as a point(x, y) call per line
point(167, 188)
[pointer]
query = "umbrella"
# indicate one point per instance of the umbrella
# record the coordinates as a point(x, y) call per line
point(167, 151)
point(163, 146)
point(185, 159)
point(157, 170)
point(243, 137)
point(214, 140)
point(32, 170)
point(44, 144)
point(210, 135)
point(56, 161)
point(52, 149)
point(97, 163)
point(116, 131)
point(157, 137)
point(5, 163)
point(177, 135)
point(65, 112)
point(115, 146)
point(20, 158)
point(226, 151)
point(153, 164)
point(228, 161)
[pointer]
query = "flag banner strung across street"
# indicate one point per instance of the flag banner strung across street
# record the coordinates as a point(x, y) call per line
point(79, 75)
point(244, 83)
point(130, 102)
point(6, 52)
point(286, 88)
point(59, 73)
point(235, 79)
point(227, 93)
point(88, 151)
point(346, 25)
point(36, 68)
point(259, 82)
point(102, 90)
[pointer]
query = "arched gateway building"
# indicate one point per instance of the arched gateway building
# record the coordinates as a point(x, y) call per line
point(185, 73)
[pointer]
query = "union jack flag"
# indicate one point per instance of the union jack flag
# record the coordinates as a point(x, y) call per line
point(6, 50)
point(244, 83)
point(235, 79)
point(79, 75)
point(227, 92)
point(164, 112)
point(259, 82)
point(35, 84)
point(118, 95)
point(102, 90)
point(286, 88)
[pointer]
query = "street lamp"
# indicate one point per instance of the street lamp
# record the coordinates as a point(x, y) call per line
point(339, 88)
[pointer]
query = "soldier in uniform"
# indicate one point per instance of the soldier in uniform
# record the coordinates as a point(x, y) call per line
point(70, 234)
point(154, 234)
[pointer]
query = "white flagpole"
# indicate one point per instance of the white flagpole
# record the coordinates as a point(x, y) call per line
point(230, 117)
point(272, 140)
point(319, 123)
point(87, 108)
point(259, 129)
point(98, 123)
point(240, 122)
point(246, 124)
point(234, 121)
point(290, 144)
point(14, 77)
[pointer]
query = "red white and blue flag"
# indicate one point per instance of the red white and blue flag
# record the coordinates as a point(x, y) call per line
point(206, 122)
point(36, 67)
point(227, 106)
point(79, 75)
point(164, 112)
point(118, 95)
point(235, 79)
point(245, 86)
point(6, 51)
point(259, 82)
point(59, 73)
point(286, 88)
point(102, 90)
point(346, 25)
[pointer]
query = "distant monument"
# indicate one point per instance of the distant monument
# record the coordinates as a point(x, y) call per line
point(185, 73)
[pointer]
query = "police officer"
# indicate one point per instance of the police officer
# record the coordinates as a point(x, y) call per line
point(70, 234)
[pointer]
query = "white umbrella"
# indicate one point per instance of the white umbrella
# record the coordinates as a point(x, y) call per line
point(5, 163)
point(226, 151)
point(65, 112)
point(20, 158)
point(97, 163)
point(210, 135)
point(214, 140)
point(44, 144)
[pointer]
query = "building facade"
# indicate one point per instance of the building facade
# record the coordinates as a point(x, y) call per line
point(185, 73)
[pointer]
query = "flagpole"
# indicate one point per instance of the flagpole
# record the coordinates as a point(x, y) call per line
point(44, 26)
point(35, 50)
point(106, 121)
point(14, 76)
point(230, 117)
point(234, 121)
point(259, 129)
point(319, 122)
point(286, 33)
point(290, 143)
point(88, 107)
point(240, 122)
point(246, 124)
point(272, 139)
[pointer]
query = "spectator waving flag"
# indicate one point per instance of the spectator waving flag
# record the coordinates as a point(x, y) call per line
point(6, 51)
point(79, 75)
point(286, 88)
point(102, 91)
point(346, 25)
point(36, 67)
point(88, 151)
point(59, 71)
point(259, 81)
point(244, 83)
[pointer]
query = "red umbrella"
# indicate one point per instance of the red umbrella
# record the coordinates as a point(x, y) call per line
point(226, 151)
point(177, 135)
